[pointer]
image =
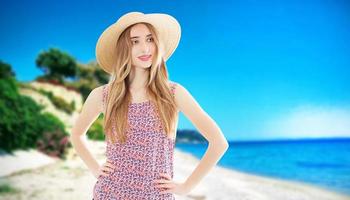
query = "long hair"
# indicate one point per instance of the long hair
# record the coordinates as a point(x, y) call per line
point(119, 97)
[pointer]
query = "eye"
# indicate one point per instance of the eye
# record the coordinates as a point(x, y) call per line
point(134, 42)
point(150, 39)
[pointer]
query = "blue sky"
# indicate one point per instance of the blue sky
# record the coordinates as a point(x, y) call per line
point(260, 69)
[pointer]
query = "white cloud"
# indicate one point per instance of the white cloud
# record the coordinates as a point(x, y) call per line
point(310, 122)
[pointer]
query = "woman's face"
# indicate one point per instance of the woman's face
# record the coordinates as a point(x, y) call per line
point(143, 46)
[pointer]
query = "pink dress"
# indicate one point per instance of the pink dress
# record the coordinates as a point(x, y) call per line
point(147, 153)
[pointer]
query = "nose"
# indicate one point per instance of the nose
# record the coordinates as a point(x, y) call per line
point(145, 47)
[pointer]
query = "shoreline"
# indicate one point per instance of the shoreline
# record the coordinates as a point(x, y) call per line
point(297, 182)
point(70, 179)
point(244, 185)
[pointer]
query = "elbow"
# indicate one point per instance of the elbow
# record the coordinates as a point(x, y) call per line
point(226, 145)
point(222, 145)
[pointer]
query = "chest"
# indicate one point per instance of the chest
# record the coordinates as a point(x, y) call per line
point(144, 118)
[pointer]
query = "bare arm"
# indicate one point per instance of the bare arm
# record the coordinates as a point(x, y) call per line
point(89, 113)
point(208, 128)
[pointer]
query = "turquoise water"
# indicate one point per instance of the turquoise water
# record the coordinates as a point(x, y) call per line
point(323, 162)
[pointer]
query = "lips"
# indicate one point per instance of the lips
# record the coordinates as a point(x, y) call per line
point(145, 57)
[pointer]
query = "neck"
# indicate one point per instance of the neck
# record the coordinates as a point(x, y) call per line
point(138, 78)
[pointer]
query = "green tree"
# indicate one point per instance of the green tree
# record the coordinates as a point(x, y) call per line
point(5, 70)
point(89, 76)
point(56, 65)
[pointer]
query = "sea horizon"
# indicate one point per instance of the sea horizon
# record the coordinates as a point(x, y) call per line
point(320, 162)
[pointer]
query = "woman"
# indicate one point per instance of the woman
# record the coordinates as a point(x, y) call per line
point(140, 106)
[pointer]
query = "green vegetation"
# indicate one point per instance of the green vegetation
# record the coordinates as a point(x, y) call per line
point(22, 123)
point(59, 102)
point(89, 76)
point(6, 188)
point(56, 65)
point(96, 131)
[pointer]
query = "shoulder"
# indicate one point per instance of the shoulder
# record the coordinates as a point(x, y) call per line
point(176, 86)
point(179, 90)
point(96, 96)
point(181, 94)
point(172, 83)
point(188, 105)
point(98, 91)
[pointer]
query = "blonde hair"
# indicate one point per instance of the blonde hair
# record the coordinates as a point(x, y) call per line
point(119, 97)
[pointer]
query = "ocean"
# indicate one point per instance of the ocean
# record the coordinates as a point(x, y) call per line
point(320, 162)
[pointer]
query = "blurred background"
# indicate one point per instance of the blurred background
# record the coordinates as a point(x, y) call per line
point(274, 75)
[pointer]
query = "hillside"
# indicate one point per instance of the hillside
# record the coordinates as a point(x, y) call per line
point(31, 89)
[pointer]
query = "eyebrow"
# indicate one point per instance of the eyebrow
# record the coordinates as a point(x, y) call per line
point(139, 36)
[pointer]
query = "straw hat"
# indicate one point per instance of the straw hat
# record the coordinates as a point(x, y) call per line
point(167, 27)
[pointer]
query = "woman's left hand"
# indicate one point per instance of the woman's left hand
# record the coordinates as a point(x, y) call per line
point(170, 186)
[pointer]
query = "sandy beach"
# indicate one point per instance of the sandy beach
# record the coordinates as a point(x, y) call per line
point(70, 179)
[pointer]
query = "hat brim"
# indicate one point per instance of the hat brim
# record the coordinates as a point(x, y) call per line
point(167, 27)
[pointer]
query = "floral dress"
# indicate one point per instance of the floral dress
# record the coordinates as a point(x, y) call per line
point(147, 153)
